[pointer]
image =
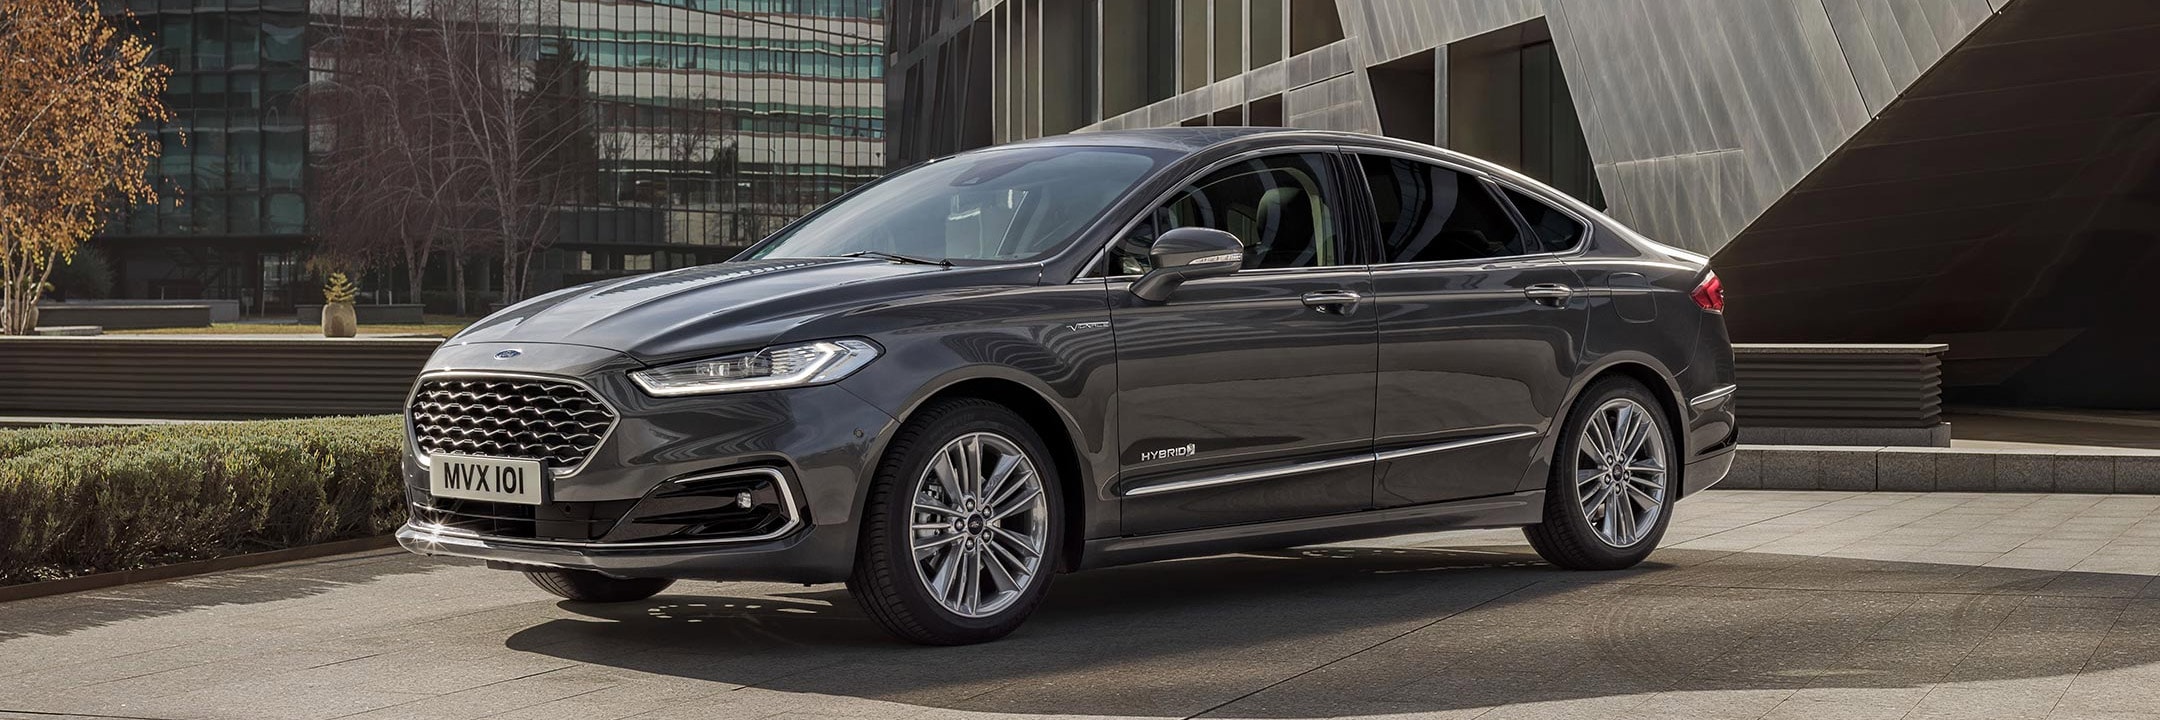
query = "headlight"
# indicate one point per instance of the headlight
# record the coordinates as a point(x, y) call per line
point(779, 366)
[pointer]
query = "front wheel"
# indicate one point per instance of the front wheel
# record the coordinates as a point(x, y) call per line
point(1612, 486)
point(961, 527)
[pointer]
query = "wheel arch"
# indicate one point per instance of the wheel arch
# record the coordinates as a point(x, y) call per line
point(1058, 433)
point(1648, 372)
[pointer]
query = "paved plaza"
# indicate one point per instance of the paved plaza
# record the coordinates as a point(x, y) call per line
point(1762, 605)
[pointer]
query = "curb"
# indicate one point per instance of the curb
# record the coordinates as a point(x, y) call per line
point(1928, 469)
point(98, 581)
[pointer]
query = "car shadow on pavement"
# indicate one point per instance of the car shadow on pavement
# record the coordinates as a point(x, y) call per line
point(1325, 632)
point(64, 614)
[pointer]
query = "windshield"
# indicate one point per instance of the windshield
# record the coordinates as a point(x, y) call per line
point(1005, 204)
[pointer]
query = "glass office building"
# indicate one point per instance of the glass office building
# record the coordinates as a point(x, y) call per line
point(714, 121)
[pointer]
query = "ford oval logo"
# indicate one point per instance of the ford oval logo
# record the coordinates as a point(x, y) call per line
point(507, 354)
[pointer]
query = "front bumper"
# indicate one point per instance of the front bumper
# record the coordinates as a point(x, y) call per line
point(808, 556)
point(817, 444)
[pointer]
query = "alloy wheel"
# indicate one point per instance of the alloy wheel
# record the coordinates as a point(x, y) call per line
point(1620, 472)
point(979, 525)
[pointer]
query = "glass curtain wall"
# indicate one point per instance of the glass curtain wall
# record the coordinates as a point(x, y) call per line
point(234, 155)
point(716, 122)
point(713, 122)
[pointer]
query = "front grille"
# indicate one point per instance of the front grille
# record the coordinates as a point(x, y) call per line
point(555, 422)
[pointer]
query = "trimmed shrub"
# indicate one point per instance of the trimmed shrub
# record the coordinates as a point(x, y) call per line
point(75, 501)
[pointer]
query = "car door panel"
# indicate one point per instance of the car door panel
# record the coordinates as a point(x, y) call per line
point(1248, 397)
point(1480, 333)
point(1469, 362)
point(1238, 374)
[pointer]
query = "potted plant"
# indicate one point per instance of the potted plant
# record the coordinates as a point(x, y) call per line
point(338, 320)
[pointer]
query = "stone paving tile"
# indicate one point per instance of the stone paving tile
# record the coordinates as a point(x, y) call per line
point(1762, 604)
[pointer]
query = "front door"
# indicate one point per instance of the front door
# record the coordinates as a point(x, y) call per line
point(1248, 397)
point(1480, 334)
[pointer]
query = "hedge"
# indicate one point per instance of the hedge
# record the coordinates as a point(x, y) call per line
point(75, 501)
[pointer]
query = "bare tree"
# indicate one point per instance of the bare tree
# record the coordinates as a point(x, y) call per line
point(390, 168)
point(518, 104)
point(451, 126)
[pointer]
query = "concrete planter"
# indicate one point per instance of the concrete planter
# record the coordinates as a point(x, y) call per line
point(339, 321)
point(368, 314)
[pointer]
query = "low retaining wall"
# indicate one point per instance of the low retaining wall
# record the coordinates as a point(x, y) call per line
point(124, 317)
point(1832, 394)
point(370, 314)
point(221, 311)
point(1910, 469)
point(207, 377)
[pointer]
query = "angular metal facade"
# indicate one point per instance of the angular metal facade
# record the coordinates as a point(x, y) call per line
point(1966, 171)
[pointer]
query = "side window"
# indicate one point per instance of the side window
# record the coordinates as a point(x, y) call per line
point(1556, 230)
point(1284, 208)
point(1427, 212)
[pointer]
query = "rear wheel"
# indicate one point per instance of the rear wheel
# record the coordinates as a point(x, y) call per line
point(589, 586)
point(960, 527)
point(1611, 491)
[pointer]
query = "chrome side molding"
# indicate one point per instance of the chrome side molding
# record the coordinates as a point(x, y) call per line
point(1710, 398)
point(1246, 476)
point(1452, 445)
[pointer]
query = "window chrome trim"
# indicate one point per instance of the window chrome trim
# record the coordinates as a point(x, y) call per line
point(787, 498)
point(412, 441)
point(1097, 258)
point(1711, 398)
point(1313, 466)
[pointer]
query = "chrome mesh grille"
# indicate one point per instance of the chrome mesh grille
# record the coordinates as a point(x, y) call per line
point(551, 421)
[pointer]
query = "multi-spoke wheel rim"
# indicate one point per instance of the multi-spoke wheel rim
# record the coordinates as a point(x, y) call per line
point(980, 524)
point(1620, 472)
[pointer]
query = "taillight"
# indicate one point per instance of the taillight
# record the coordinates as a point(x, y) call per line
point(1710, 294)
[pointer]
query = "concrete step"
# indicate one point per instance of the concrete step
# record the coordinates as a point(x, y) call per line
point(2005, 467)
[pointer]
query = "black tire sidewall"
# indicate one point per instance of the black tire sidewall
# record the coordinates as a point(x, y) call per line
point(901, 470)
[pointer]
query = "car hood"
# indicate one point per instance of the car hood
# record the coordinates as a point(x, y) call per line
point(725, 307)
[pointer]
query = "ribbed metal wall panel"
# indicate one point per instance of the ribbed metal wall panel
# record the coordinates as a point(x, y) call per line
point(1839, 386)
point(1890, 42)
point(1700, 114)
point(200, 378)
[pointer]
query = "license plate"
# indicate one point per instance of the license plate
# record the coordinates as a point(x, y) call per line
point(470, 477)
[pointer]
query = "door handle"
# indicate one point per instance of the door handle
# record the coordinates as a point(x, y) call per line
point(1333, 302)
point(1554, 295)
point(1551, 294)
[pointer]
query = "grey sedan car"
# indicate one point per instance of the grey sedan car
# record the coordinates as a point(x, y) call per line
point(963, 379)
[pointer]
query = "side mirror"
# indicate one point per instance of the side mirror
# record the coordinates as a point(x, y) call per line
point(1186, 253)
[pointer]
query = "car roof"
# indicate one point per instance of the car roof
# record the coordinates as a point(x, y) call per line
point(1193, 140)
point(1188, 141)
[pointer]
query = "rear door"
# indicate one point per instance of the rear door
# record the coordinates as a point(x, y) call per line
point(1249, 397)
point(1481, 330)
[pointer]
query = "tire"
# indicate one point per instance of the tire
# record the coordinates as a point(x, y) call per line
point(589, 586)
point(1572, 534)
point(911, 503)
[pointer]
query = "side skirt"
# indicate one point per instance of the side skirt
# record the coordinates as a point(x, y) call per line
point(1513, 510)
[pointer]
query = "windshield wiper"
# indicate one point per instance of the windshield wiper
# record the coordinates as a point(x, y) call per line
point(896, 257)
